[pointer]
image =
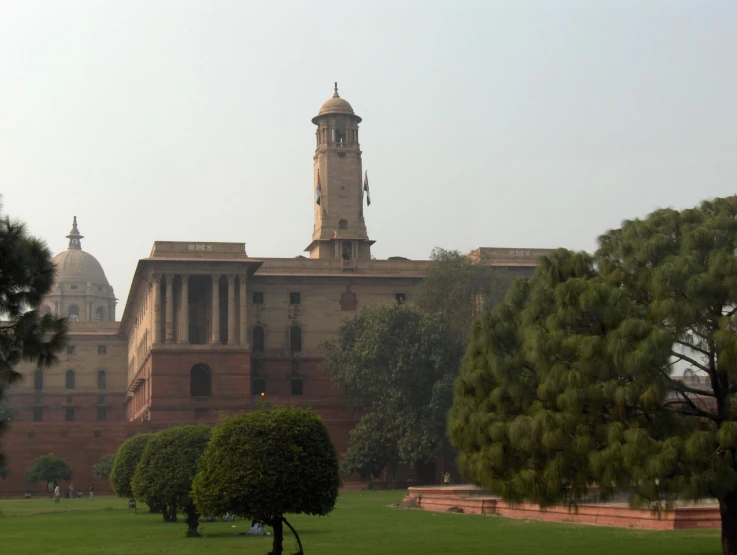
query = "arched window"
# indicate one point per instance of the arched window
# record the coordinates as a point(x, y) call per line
point(200, 380)
point(295, 339)
point(70, 379)
point(343, 224)
point(101, 380)
point(100, 314)
point(46, 310)
point(38, 380)
point(73, 313)
point(258, 340)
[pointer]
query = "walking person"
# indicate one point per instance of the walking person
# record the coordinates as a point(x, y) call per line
point(92, 491)
point(57, 493)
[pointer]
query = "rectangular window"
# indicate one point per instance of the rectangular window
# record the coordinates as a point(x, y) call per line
point(401, 297)
point(258, 386)
point(102, 349)
point(101, 414)
point(73, 287)
point(38, 414)
point(69, 414)
point(257, 297)
point(71, 349)
point(295, 298)
point(296, 387)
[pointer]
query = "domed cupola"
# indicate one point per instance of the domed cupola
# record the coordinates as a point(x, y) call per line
point(81, 291)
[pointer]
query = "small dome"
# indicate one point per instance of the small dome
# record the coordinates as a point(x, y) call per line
point(336, 105)
point(77, 265)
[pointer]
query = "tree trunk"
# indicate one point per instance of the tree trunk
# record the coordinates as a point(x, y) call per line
point(165, 513)
point(193, 521)
point(296, 535)
point(277, 546)
point(728, 510)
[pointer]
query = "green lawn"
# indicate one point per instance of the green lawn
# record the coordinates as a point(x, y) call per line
point(362, 523)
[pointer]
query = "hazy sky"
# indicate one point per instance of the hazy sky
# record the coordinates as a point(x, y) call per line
point(509, 124)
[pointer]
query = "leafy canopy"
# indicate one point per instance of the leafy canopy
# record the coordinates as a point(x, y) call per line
point(572, 381)
point(397, 366)
point(48, 468)
point(104, 467)
point(126, 461)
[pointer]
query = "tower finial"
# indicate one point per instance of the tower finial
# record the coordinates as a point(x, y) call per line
point(335, 94)
point(74, 237)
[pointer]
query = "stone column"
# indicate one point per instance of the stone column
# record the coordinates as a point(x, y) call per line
point(215, 310)
point(184, 312)
point(169, 308)
point(244, 312)
point(231, 310)
point(155, 299)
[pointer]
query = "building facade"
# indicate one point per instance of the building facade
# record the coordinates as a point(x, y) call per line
point(209, 331)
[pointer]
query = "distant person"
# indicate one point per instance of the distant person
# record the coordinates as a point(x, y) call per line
point(57, 493)
point(71, 491)
point(446, 478)
point(92, 491)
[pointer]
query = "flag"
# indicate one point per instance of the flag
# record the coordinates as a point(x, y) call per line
point(319, 189)
point(366, 189)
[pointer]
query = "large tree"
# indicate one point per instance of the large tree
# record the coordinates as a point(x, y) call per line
point(167, 467)
point(26, 275)
point(397, 365)
point(266, 464)
point(460, 287)
point(126, 460)
point(49, 468)
point(573, 381)
point(104, 467)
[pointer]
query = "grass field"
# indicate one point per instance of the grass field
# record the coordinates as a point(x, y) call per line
point(362, 523)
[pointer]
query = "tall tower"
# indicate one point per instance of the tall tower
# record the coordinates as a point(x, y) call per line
point(340, 230)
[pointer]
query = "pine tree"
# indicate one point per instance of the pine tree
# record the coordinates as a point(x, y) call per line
point(570, 382)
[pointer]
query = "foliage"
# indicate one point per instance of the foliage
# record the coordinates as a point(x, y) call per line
point(48, 468)
point(167, 467)
point(26, 275)
point(8, 412)
point(104, 467)
point(266, 464)
point(570, 382)
point(461, 288)
point(372, 448)
point(397, 366)
point(126, 461)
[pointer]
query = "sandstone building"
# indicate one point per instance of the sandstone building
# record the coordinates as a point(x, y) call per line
point(208, 330)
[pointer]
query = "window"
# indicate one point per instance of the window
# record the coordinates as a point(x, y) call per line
point(343, 224)
point(102, 349)
point(69, 414)
point(38, 380)
point(258, 340)
point(73, 313)
point(73, 287)
point(38, 414)
point(295, 339)
point(257, 297)
point(258, 386)
point(347, 250)
point(296, 387)
point(100, 314)
point(71, 349)
point(101, 380)
point(295, 298)
point(101, 414)
point(200, 380)
point(69, 380)
point(401, 297)
point(99, 288)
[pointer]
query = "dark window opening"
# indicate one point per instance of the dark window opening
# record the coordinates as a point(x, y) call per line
point(71, 349)
point(258, 340)
point(258, 386)
point(102, 349)
point(69, 414)
point(38, 414)
point(347, 250)
point(73, 287)
point(343, 224)
point(200, 380)
point(100, 314)
point(257, 366)
point(73, 313)
point(100, 399)
point(101, 380)
point(101, 414)
point(38, 380)
point(69, 379)
point(295, 339)
point(401, 297)
point(295, 298)
point(297, 387)
point(257, 297)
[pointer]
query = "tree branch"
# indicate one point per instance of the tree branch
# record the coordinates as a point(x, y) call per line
point(696, 410)
point(694, 347)
point(692, 361)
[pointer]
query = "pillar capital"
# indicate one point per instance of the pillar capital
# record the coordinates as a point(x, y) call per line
point(215, 278)
point(169, 278)
point(230, 278)
point(184, 278)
